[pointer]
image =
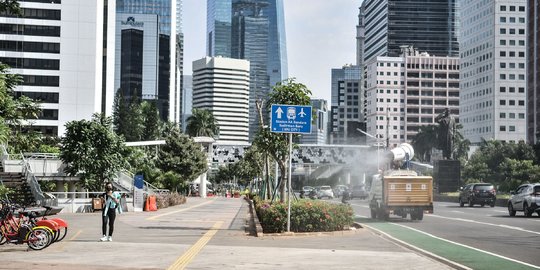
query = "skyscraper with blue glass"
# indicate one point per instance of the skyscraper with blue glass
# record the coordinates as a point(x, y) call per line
point(253, 30)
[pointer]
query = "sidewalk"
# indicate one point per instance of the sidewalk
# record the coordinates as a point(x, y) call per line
point(207, 234)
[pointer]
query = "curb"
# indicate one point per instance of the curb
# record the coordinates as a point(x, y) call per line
point(254, 225)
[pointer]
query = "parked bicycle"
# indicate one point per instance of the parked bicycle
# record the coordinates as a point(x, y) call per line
point(15, 228)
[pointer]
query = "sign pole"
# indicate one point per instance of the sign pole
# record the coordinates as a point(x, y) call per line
point(289, 185)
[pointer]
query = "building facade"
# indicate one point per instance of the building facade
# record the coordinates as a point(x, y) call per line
point(46, 48)
point(346, 113)
point(221, 85)
point(405, 93)
point(429, 25)
point(148, 42)
point(253, 30)
point(187, 100)
point(492, 73)
point(319, 126)
point(533, 71)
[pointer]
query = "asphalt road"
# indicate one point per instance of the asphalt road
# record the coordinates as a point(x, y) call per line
point(490, 230)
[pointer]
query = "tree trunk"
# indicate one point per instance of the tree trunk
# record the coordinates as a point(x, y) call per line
point(283, 173)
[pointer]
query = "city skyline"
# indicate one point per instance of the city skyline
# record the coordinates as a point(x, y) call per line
point(334, 35)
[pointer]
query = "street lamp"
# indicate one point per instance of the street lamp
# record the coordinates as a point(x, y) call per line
point(378, 143)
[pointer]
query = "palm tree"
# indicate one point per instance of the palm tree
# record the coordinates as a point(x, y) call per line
point(202, 124)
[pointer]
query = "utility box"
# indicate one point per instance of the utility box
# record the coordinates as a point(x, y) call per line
point(97, 204)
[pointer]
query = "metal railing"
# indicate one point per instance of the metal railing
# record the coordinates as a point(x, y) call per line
point(32, 182)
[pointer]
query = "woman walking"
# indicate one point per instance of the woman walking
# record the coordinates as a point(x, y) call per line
point(112, 203)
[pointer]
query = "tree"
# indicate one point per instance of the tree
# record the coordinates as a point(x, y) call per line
point(151, 121)
point(287, 92)
point(202, 123)
point(120, 114)
point(424, 141)
point(14, 111)
point(10, 7)
point(91, 150)
point(182, 156)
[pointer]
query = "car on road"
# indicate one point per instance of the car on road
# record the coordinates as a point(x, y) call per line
point(478, 193)
point(339, 189)
point(305, 191)
point(325, 192)
point(359, 191)
point(526, 198)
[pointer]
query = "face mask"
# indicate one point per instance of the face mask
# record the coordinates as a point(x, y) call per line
point(108, 188)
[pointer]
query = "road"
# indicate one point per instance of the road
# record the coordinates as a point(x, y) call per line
point(488, 232)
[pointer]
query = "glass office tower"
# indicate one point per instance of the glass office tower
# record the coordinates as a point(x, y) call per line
point(253, 30)
point(163, 85)
point(428, 25)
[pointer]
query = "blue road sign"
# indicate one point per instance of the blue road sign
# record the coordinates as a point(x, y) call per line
point(291, 119)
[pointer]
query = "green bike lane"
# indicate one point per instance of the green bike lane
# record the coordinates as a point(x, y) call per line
point(458, 255)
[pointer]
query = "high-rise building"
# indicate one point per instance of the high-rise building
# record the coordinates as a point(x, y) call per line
point(429, 25)
point(319, 127)
point(148, 61)
point(533, 71)
point(58, 49)
point(187, 100)
point(492, 73)
point(346, 103)
point(407, 92)
point(253, 30)
point(221, 85)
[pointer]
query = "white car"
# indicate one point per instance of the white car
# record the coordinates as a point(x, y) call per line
point(326, 192)
point(526, 198)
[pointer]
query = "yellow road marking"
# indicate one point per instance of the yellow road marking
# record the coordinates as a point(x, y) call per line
point(189, 255)
point(75, 236)
point(64, 243)
point(178, 211)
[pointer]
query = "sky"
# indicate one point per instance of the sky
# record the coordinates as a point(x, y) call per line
point(321, 35)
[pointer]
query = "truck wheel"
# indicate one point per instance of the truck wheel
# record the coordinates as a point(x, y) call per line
point(413, 215)
point(420, 214)
point(373, 214)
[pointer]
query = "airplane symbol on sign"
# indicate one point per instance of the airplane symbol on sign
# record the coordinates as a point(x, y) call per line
point(302, 113)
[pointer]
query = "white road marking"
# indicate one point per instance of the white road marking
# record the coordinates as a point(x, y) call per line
point(361, 205)
point(485, 223)
point(455, 211)
point(473, 248)
point(499, 211)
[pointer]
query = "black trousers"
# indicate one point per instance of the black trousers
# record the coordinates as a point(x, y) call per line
point(109, 217)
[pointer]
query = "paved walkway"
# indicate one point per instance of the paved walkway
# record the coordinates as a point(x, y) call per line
point(207, 234)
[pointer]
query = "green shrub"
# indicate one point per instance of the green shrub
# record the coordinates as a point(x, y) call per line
point(306, 216)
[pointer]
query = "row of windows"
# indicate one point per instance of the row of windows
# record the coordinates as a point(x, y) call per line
point(30, 30)
point(34, 13)
point(43, 1)
point(29, 46)
point(511, 31)
point(48, 114)
point(511, 102)
point(512, 115)
point(512, 19)
point(512, 42)
point(31, 63)
point(390, 64)
point(38, 80)
point(44, 97)
point(512, 65)
point(512, 77)
point(512, 8)
point(512, 54)
point(510, 128)
point(431, 66)
point(503, 89)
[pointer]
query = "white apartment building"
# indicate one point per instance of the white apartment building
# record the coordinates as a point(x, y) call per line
point(57, 47)
point(493, 73)
point(405, 93)
point(221, 85)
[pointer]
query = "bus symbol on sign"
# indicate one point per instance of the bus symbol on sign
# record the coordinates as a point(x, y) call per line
point(291, 113)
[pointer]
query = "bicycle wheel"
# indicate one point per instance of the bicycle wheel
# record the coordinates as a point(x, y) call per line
point(38, 238)
point(61, 234)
